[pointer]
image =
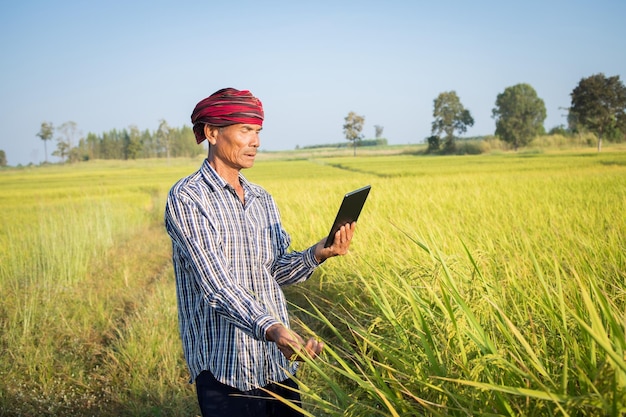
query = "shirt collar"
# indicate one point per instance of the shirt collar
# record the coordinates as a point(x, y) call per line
point(217, 182)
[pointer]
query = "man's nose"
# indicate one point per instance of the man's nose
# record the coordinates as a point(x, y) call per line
point(256, 141)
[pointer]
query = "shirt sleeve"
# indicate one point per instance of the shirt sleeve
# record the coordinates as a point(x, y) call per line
point(193, 233)
point(290, 267)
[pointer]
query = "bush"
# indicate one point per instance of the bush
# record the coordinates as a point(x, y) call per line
point(560, 141)
point(472, 147)
point(433, 144)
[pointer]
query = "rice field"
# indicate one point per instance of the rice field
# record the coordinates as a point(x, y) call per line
point(475, 285)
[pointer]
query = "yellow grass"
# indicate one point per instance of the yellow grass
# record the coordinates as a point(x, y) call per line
point(475, 285)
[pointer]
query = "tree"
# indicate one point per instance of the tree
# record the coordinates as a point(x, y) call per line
point(132, 143)
point(450, 116)
point(163, 138)
point(434, 142)
point(62, 150)
point(519, 115)
point(69, 131)
point(378, 131)
point(599, 105)
point(183, 143)
point(66, 141)
point(46, 132)
point(3, 158)
point(352, 128)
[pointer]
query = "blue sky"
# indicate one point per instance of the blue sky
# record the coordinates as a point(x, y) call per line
point(112, 64)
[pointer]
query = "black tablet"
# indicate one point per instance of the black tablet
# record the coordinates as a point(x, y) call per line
point(348, 211)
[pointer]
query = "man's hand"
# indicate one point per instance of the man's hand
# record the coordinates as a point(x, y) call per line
point(292, 345)
point(340, 245)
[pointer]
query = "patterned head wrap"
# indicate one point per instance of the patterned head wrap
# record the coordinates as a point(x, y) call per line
point(226, 107)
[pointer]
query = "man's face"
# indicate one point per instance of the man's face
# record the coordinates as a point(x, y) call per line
point(236, 145)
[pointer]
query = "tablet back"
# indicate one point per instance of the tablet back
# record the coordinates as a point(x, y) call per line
point(349, 211)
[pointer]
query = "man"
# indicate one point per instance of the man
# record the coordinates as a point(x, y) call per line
point(231, 257)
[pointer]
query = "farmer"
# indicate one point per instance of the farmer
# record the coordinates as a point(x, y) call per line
point(231, 257)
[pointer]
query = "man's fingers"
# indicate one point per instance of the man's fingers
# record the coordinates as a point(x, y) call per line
point(314, 347)
point(311, 350)
point(343, 237)
point(319, 346)
point(350, 231)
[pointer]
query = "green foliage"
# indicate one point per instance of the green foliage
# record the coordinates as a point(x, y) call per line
point(450, 116)
point(466, 146)
point(133, 144)
point(472, 147)
point(434, 143)
point(519, 115)
point(559, 130)
point(599, 105)
point(46, 132)
point(123, 144)
point(62, 151)
point(3, 158)
point(352, 128)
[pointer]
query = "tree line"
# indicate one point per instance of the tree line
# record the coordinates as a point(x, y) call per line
point(598, 105)
point(131, 143)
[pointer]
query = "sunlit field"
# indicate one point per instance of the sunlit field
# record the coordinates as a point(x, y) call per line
point(475, 285)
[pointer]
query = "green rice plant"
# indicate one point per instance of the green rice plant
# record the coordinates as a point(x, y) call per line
point(475, 285)
point(68, 285)
point(493, 334)
point(412, 352)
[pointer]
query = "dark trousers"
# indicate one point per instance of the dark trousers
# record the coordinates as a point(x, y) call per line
point(219, 400)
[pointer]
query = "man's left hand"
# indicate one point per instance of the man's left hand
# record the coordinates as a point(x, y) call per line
point(340, 245)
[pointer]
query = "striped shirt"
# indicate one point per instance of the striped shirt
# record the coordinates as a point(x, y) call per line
point(230, 259)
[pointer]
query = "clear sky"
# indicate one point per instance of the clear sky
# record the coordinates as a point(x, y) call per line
point(112, 64)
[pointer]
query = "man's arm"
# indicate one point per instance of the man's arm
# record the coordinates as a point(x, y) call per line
point(290, 343)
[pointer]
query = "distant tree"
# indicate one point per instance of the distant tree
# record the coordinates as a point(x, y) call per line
point(519, 115)
point(46, 132)
point(378, 131)
point(68, 131)
point(63, 149)
point(558, 130)
point(3, 158)
point(434, 143)
point(132, 143)
point(599, 105)
point(147, 144)
point(450, 116)
point(183, 143)
point(92, 146)
point(87, 147)
point(352, 128)
point(163, 138)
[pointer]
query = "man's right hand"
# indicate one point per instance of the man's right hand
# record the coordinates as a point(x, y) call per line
point(292, 345)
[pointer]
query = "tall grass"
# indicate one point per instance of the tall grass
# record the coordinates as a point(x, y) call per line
point(494, 289)
point(476, 285)
point(554, 347)
point(81, 254)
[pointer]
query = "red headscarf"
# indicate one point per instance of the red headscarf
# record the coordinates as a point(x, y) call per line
point(225, 107)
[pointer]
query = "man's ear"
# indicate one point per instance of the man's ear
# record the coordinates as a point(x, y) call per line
point(211, 133)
